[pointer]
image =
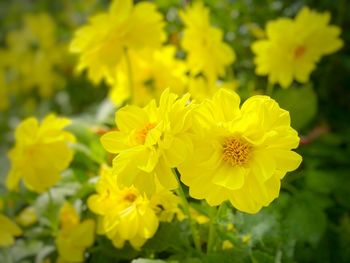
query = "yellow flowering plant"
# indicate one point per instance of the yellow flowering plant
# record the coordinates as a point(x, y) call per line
point(182, 153)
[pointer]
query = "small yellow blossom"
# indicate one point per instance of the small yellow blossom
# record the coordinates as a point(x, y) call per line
point(293, 47)
point(8, 230)
point(150, 141)
point(27, 217)
point(198, 217)
point(127, 215)
point(74, 236)
point(227, 245)
point(246, 238)
point(40, 154)
point(152, 72)
point(206, 51)
point(240, 153)
point(102, 43)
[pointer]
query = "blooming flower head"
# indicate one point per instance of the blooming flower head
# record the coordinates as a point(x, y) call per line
point(33, 55)
point(102, 42)
point(126, 214)
point(241, 153)
point(206, 51)
point(152, 72)
point(8, 230)
point(293, 47)
point(150, 141)
point(40, 154)
point(74, 236)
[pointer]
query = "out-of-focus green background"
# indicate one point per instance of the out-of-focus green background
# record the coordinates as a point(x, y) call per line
point(310, 222)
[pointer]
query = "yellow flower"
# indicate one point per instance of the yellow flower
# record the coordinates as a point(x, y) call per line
point(150, 141)
point(27, 217)
point(206, 51)
point(74, 236)
point(201, 89)
point(8, 230)
point(33, 55)
point(227, 245)
point(40, 154)
point(102, 42)
point(166, 205)
point(293, 47)
point(152, 72)
point(127, 215)
point(240, 154)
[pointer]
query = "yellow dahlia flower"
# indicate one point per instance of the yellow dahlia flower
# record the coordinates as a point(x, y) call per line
point(293, 47)
point(150, 141)
point(74, 236)
point(206, 51)
point(126, 214)
point(240, 154)
point(152, 72)
point(102, 42)
point(40, 154)
point(8, 230)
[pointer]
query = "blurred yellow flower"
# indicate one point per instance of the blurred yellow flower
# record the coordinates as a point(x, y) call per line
point(127, 215)
point(102, 43)
point(240, 154)
point(206, 51)
point(293, 47)
point(201, 89)
point(8, 231)
point(152, 72)
point(33, 55)
point(74, 236)
point(27, 217)
point(40, 154)
point(150, 141)
point(227, 245)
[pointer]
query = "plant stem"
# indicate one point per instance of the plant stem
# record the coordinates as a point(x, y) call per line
point(269, 89)
point(186, 208)
point(130, 74)
point(214, 216)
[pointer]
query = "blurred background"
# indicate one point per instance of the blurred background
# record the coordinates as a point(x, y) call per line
point(310, 222)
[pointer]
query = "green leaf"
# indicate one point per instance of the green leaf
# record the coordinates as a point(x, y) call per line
point(300, 102)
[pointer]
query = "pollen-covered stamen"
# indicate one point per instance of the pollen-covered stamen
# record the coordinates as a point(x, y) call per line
point(299, 51)
point(130, 197)
point(236, 151)
point(142, 134)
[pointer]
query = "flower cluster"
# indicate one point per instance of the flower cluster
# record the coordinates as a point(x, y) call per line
point(293, 47)
point(128, 53)
point(30, 60)
point(223, 151)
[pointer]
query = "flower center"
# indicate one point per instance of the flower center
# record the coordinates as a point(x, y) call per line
point(130, 197)
point(299, 51)
point(142, 134)
point(236, 151)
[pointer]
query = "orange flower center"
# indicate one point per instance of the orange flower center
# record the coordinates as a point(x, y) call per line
point(299, 51)
point(142, 134)
point(130, 197)
point(236, 151)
